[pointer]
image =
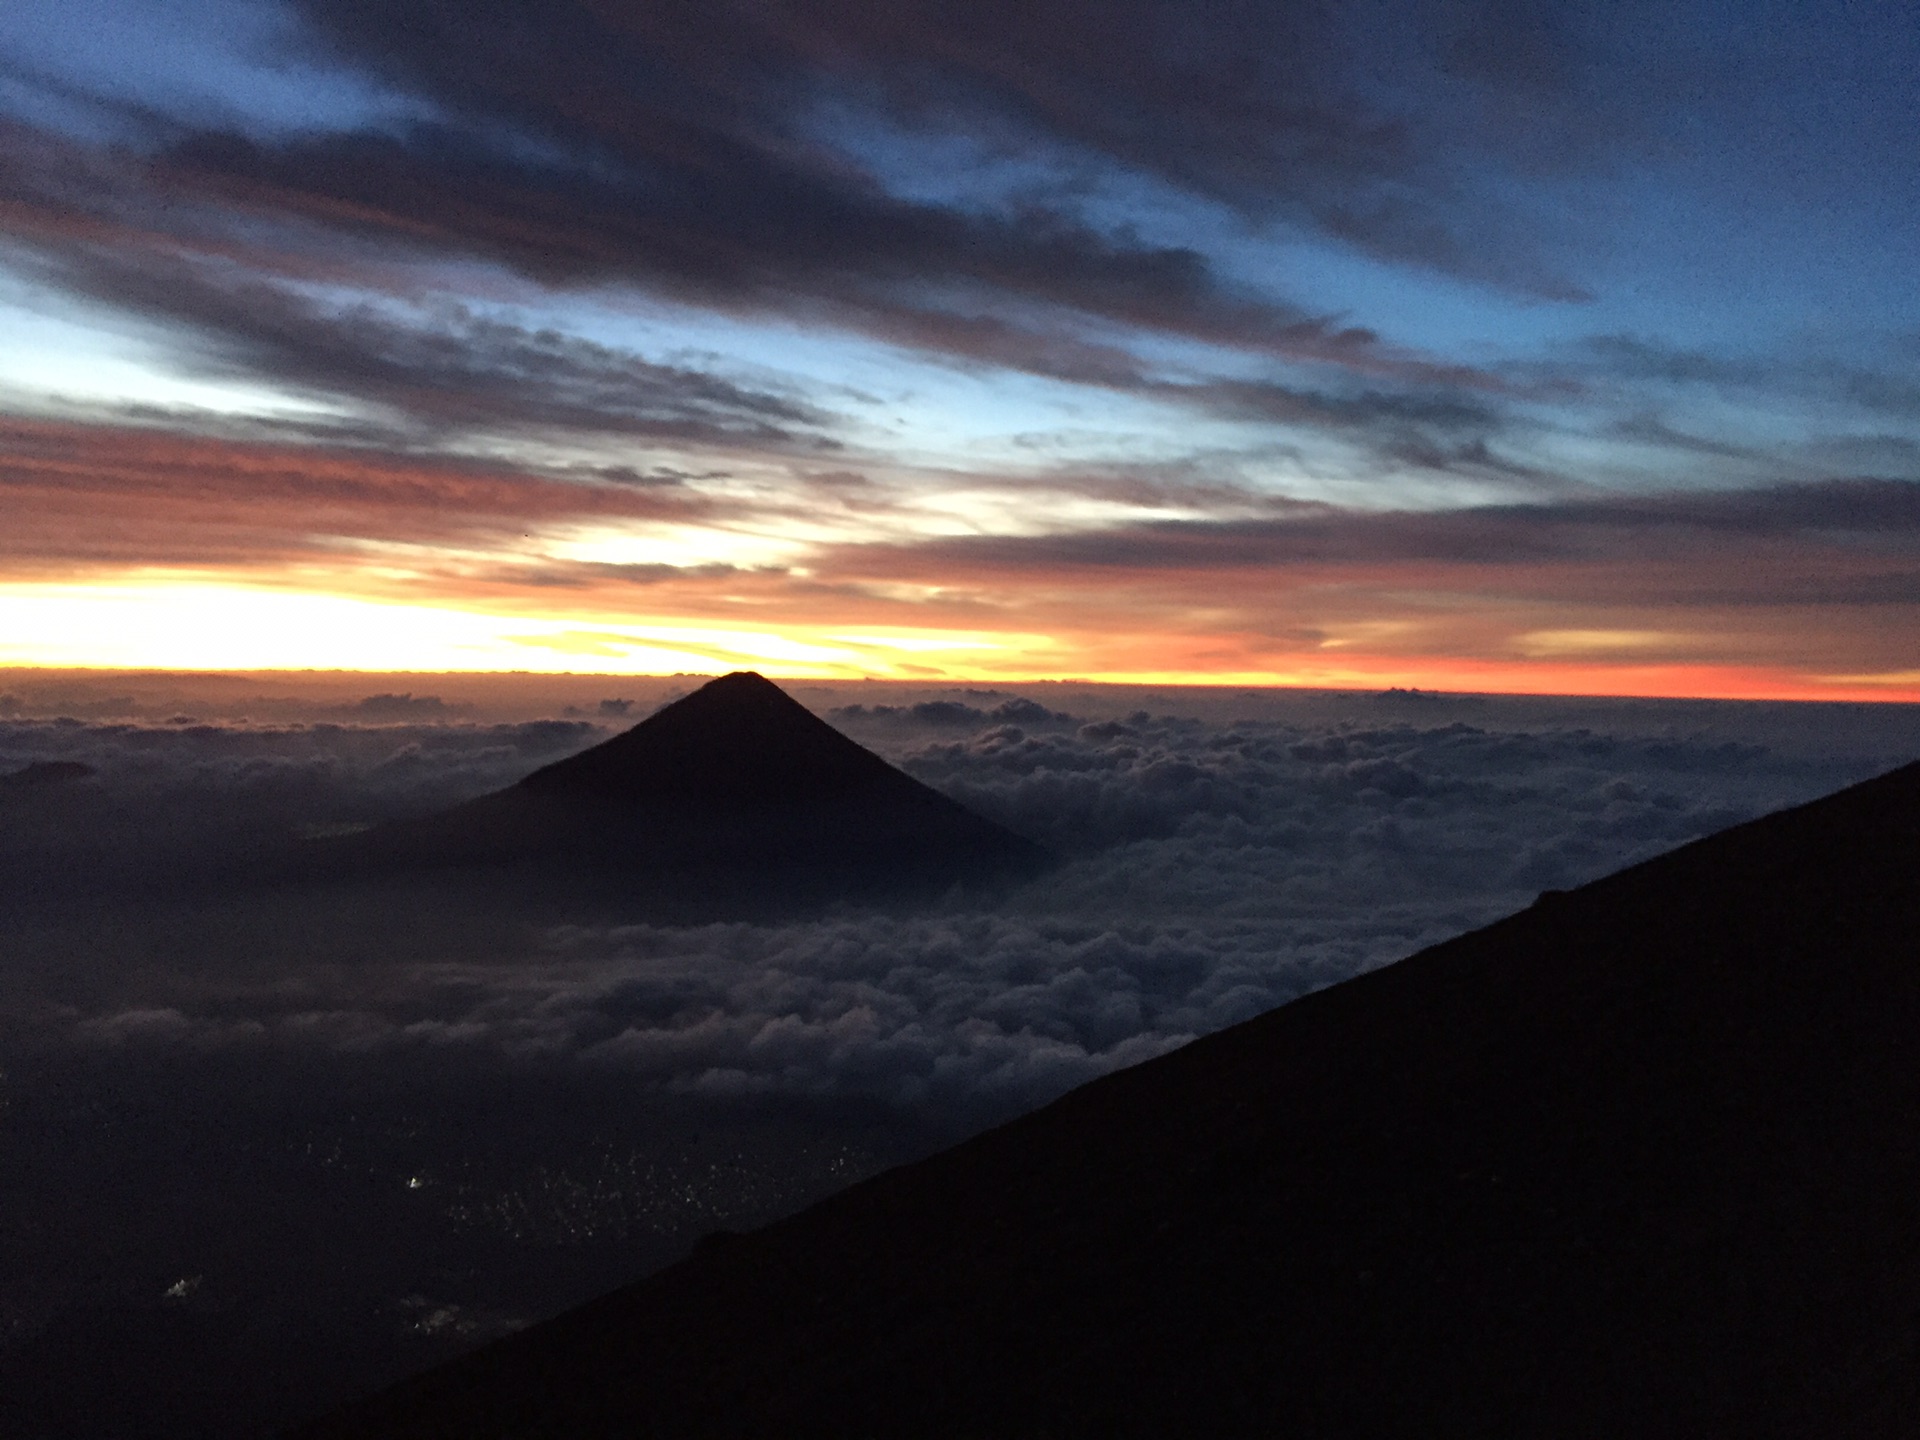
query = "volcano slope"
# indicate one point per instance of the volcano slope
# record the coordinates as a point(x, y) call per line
point(732, 801)
point(1642, 1160)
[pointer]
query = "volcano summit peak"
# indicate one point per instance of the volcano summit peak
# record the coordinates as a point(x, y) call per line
point(726, 801)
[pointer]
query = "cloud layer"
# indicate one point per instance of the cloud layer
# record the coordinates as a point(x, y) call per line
point(1212, 870)
point(382, 1124)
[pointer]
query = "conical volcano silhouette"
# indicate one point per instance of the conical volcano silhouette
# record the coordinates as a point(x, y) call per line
point(735, 793)
point(736, 742)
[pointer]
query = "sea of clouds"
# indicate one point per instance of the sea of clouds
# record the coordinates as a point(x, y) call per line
point(1212, 867)
point(377, 1124)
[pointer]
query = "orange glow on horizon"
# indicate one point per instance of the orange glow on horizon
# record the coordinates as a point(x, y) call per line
point(129, 549)
point(214, 625)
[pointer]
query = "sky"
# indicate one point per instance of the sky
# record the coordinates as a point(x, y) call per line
point(1475, 345)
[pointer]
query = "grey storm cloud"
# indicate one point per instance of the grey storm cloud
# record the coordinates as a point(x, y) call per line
point(684, 125)
point(1885, 386)
point(250, 311)
point(699, 156)
point(458, 371)
point(951, 179)
point(443, 369)
point(1211, 870)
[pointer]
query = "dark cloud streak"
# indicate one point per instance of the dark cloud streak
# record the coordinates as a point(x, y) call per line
point(80, 495)
point(451, 370)
point(1841, 543)
point(678, 150)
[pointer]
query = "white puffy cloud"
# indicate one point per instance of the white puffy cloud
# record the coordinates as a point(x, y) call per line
point(1211, 869)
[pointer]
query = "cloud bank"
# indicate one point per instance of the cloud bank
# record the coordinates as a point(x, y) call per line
point(1213, 869)
point(382, 1123)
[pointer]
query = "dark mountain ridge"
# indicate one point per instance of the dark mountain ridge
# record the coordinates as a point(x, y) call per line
point(1643, 1159)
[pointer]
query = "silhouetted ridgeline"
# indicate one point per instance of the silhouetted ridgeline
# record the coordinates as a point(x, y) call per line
point(1641, 1160)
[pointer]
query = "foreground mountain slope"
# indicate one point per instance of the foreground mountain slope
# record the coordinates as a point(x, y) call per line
point(736, 791)
point(1641, 1160)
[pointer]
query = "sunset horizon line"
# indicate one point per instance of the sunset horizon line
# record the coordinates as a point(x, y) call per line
point(1749, 689)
